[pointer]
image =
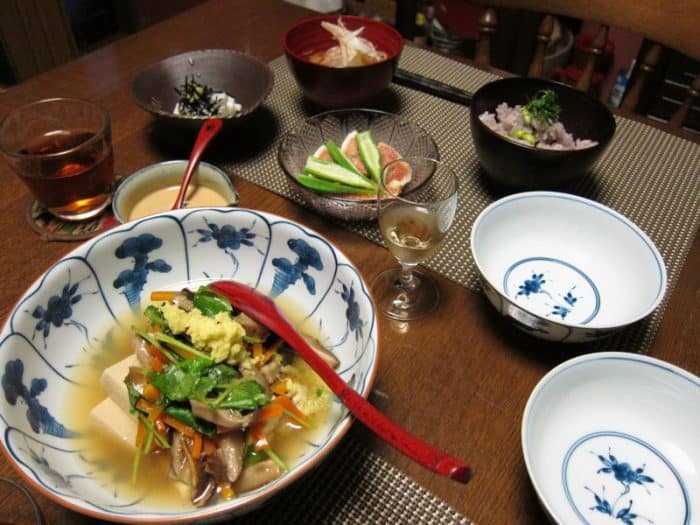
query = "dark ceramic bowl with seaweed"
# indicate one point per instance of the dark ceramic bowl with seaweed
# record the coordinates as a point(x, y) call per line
point(571, 130)
point(186, 89)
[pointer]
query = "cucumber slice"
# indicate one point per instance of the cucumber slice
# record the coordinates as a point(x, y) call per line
point(339, 157)
point(369, 153)
point(326, 186)
point(336, 173)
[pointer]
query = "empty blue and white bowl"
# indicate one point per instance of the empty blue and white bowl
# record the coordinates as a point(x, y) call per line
point(566, 268)
point(61, 325)
point(612, 438)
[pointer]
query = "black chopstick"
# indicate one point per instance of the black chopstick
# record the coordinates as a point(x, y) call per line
point(432, 87)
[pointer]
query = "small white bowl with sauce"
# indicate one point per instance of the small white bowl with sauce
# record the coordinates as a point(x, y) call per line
point(153, 189)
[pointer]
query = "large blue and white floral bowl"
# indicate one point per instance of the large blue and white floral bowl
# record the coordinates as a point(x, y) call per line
point(58, 332)
point(612, 438)
point(566, 268)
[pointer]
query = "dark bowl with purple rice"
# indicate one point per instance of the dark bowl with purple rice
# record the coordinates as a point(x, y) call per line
point(513, 165)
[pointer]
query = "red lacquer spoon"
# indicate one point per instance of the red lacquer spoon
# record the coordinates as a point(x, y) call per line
point(208, 131)
point(262, 309)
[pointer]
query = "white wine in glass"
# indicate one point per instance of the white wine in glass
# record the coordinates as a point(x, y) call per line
point(413, 225)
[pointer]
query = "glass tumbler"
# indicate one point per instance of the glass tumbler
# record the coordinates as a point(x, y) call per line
point(61, 148)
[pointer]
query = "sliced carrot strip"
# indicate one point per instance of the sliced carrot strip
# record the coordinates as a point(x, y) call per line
point(196, 445)
point(270, 412)
point(288, 404)
point(151, 392)
point(279, 388)
point(155, 413)
point(208, 445)
point(145, 406)
point(162, 296)
point(178, 425)
point(257, 350)
point(160, 425)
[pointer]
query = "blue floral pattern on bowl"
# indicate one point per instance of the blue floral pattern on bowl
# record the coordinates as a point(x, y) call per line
point(565, 268)
point(552, 288)
point(63, 316)
point(612, 438)
point(617, 476)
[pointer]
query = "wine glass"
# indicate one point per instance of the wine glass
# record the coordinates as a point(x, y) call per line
point(413, 225)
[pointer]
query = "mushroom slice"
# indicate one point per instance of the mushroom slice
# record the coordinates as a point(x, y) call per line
point(184, 300)
point(181, 463)
point(271, 371)
point(139, 347)
point(224, 417)
point(252, 328)
point(205, 487)
point(325, 354)
point(257, 475)
point(227, 462)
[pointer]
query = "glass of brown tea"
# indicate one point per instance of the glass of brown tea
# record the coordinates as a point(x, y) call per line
point(61, 148)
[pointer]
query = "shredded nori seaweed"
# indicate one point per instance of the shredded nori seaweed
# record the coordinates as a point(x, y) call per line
point(196, 99)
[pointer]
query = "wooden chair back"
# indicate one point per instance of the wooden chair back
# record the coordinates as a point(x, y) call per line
point(673, 25)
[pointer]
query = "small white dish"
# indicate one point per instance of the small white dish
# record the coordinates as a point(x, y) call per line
point(613, 438)
point(168, 174)
point(566, 268)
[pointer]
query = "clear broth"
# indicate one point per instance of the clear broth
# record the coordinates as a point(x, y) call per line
point(115, 458)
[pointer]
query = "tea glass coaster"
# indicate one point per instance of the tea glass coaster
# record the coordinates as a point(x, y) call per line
point(51, 228)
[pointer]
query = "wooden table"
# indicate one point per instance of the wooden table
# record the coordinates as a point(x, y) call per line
point(470, 372)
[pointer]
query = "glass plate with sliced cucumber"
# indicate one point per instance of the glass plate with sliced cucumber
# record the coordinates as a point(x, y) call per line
point(335, 159)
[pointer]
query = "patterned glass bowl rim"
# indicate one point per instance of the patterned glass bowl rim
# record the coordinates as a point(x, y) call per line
point(247, 501)
point(341, 114)
point(632, 360)
point(582, 201)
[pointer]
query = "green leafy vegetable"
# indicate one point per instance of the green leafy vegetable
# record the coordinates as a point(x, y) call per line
point(243, 395)
point(210, 303)
point(155, 316)
point(543, 107)
point(178, 345)
point(179, 381)
point(185, 415)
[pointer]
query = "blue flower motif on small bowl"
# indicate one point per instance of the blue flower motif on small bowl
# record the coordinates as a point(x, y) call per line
point(552, 287)
point(630, 482)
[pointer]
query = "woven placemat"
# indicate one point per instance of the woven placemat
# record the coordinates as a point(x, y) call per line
point(355, 486)
point(648, 175)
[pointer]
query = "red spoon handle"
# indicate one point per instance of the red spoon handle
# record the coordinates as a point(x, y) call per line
point(263, 310)
point(208, 131)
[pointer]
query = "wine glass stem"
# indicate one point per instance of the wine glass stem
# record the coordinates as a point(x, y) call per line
point(408, 280)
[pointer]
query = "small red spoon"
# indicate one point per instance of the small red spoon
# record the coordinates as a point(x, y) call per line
point(208, 131)
point(262, 309)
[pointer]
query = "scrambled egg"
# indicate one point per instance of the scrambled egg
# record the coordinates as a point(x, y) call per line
point(220, 335)
point(308, 391)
